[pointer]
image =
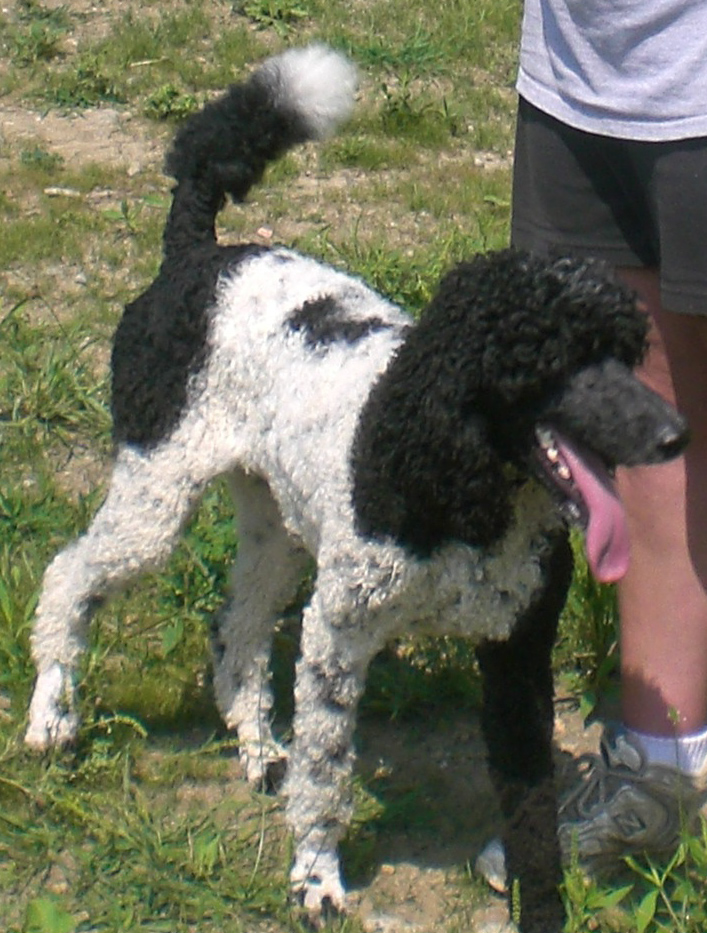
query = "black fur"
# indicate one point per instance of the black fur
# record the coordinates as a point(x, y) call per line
point(161, 342)
point(517, 721)
point(324, 321)
point(224, 149)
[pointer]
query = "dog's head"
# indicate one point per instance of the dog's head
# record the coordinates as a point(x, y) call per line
point(603, 418)
point(558, 373)
point(520, 365)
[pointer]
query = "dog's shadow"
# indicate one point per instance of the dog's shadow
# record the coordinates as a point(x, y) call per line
point(425, 794)
point(422, 790)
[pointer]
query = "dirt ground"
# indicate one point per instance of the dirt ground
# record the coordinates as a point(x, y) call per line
point(419, 884)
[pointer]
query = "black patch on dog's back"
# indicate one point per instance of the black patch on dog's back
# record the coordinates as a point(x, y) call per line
point(161, 342)
point(323, 321)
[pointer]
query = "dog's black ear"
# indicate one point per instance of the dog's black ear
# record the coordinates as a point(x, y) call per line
point(427, 483)
point(468, 487)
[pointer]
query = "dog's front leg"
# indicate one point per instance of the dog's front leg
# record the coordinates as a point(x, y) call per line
point(517, 721)
point(517, 726)
point(330, 680)
point(58, 641)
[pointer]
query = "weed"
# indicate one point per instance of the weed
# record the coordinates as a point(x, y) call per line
point(45, 386)
point(33, 11)
point(416, 53)
point(37, 43)
point(45, 915)
point(360, 152)
point(657, 897)
point(409, 113)
point(279, 15)
point(39, 157)
point(169, 103)
point(587, 901)
point(38, 37)
point(413, 678)
point(587, 647)
point(90, 83)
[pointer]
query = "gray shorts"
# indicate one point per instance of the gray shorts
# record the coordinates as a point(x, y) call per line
point(626, 202)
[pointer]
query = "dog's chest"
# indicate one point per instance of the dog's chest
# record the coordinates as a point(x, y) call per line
point(473, 592)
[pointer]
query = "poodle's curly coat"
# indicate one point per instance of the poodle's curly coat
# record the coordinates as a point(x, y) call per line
point(427, 467)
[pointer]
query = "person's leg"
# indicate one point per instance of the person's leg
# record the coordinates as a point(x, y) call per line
point(648, 784)
point(663, 598)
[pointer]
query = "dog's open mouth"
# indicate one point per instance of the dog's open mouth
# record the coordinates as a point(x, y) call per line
point(589, 499)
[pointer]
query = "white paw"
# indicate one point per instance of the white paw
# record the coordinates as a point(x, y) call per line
point(316, 884)
point(52, 730)
point(491, 865)
point(52, 720)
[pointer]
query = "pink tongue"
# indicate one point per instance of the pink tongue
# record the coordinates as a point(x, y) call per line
point(607, 535)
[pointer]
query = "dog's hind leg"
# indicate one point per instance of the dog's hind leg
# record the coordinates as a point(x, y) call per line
point(266, 575)
point(150, 496)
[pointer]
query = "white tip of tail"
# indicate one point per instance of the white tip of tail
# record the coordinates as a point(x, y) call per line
point(317, 82)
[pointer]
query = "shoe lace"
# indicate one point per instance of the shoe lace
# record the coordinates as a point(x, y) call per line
point(599, 781)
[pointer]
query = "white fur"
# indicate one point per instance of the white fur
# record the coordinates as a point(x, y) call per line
point(316, 81)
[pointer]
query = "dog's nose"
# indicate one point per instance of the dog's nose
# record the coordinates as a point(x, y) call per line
point(672, 440)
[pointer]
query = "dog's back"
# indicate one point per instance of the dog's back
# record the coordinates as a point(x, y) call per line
point(295, 348)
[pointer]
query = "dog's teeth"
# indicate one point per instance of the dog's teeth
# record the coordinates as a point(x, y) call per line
point(552, 454)
point(573, 510)
point(545, 437)
point(563, 471)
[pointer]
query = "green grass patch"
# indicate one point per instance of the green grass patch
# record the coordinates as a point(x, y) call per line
point(279, 15)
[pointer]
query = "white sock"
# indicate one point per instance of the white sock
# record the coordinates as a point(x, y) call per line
point(687, 753)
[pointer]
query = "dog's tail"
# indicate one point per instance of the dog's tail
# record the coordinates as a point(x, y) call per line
point(223, 149)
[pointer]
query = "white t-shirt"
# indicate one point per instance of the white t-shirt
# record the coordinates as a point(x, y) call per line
point(633, 69)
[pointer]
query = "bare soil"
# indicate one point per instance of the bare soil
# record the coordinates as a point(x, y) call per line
point(105, 136)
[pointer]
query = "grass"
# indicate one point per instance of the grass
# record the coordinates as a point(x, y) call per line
point(142, 826)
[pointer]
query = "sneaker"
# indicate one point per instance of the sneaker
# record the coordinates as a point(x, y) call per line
point(621, 806)
point(625, 806)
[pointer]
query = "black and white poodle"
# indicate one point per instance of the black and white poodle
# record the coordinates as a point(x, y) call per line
point(428, 467)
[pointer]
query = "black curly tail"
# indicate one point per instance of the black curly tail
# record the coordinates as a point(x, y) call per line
point(300, 95)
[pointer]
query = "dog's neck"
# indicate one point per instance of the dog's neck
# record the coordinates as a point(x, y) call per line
point(424, 470)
